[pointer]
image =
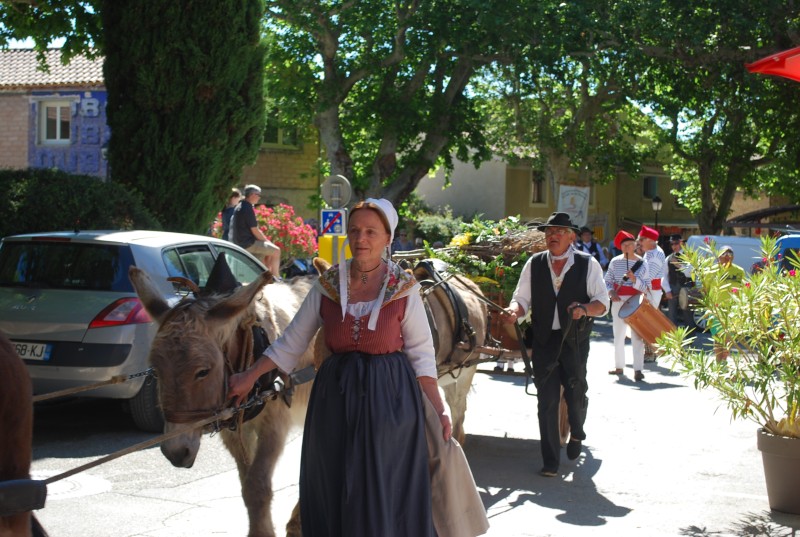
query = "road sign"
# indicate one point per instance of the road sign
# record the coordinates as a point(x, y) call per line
point(333, 221)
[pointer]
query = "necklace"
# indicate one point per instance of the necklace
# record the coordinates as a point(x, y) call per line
point(364, 273)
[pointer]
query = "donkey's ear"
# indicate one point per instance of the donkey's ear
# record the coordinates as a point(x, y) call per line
point(150, 295)
point(239, 301)
point(321, 264)
point(221, 279)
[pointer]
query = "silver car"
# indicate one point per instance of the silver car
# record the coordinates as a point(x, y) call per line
point(68, 306)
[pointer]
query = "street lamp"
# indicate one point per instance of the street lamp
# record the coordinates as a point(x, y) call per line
point(657, 204)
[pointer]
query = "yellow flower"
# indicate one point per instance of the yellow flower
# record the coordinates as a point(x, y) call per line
point(461, 240)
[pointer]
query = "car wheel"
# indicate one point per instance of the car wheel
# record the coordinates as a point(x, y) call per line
point(145, 410)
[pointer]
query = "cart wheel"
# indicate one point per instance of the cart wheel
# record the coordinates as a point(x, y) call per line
point(563, 420)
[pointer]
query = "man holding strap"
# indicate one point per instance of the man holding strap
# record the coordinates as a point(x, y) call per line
point(563, 289)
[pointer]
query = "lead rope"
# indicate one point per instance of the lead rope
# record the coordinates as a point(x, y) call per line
point(243, 360)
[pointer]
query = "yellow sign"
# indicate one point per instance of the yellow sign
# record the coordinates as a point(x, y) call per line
point(329, 248)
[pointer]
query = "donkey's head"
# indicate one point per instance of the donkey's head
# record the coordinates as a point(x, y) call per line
point(188, 355)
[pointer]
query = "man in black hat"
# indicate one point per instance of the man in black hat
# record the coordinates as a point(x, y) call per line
point(586, 243)
point(679, 276)
point(563, 289)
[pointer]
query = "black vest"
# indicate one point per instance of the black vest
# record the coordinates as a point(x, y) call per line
point(594, 249)
point(544, 299)
point(675, 277)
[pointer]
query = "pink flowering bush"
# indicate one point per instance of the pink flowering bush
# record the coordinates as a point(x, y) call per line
point(759, 323)
point(296, 239)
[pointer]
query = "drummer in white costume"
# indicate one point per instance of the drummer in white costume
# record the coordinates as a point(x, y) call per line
point(656, 264)
point(626, 278)
point(658, 275)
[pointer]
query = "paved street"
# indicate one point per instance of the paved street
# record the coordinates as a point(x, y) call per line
point(660, 459)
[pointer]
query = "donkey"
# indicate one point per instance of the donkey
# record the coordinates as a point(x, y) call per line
point(16, 422)
point(191, 355)
point(459, 322)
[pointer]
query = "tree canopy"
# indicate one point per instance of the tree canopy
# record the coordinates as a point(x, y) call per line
point(396, 89)
point(728, 129)
point(385, 82)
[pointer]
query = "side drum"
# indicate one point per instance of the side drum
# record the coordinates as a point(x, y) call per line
point(644, 319)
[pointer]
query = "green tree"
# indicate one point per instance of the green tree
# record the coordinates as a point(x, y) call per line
point(566, 120)
point(730, 130)
point(561, 103)
point(385, 82)
point(76, 22)
point(185, 101)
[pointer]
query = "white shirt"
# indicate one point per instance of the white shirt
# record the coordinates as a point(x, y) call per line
point(657, 267)
point(595, 286)
point(619, 267)
point(417, 340)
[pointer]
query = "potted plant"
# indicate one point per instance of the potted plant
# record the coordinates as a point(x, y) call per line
point(757, 321)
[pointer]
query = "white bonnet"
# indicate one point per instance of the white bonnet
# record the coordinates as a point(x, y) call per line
point(390, 213)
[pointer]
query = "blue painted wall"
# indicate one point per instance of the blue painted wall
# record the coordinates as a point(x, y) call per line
point(89, 133)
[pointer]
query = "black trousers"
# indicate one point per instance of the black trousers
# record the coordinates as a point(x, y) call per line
point(558, 363)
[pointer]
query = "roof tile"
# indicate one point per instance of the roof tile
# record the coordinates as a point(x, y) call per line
point(19, 69)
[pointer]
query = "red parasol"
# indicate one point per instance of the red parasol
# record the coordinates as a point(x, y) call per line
point(786, 64)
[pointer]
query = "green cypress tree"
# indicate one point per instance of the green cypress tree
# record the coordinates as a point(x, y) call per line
point(185, 101)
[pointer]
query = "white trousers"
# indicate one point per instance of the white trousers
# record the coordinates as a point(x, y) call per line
point(654, 297)
point(637, 343)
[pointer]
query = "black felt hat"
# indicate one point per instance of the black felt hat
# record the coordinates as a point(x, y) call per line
point(559, 220)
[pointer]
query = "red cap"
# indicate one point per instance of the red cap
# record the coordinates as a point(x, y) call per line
point(621, 237)
point(648, 233)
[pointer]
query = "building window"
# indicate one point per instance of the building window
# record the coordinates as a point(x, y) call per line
point(55, 122)
point(650, 187)
point(275, 136)
point(538, 193)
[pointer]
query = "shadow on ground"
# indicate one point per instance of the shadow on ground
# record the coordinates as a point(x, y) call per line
point(506, 472)
point(763, 524)
point(68, 428)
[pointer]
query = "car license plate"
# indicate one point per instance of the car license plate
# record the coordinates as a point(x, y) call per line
point(33, 351)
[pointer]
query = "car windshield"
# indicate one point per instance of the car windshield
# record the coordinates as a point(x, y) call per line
point(65, 265)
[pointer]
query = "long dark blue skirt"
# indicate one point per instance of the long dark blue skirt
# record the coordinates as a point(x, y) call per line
point(364, 466)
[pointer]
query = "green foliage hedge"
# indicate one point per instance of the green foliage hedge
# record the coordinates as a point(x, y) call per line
point(51, 200)
point(441, 226)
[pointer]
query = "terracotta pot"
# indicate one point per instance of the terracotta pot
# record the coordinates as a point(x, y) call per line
point(781, 457)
